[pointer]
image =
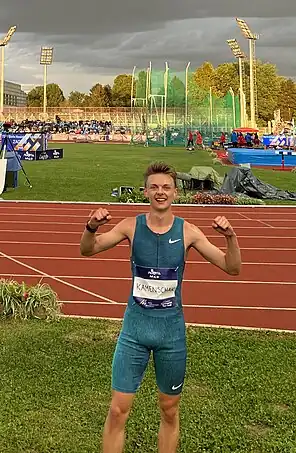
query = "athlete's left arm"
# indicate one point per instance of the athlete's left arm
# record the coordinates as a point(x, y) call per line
point(229, 261)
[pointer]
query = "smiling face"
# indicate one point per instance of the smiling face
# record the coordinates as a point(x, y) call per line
point(161, 191)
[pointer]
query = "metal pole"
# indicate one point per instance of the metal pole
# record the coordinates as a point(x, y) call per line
point(252, 88)
point(132, 87)
point(132, 101)
point(166, 77)
point(2, 81)
point(186, 97)
point(241, 91)
point(211, 111)
point(44, 90)
point(233, 108)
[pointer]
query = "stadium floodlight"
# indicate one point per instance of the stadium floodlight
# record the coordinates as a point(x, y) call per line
point(245, 29)
point(239, 54)
point(46, 57)
point(236, 50)
point(4, 43)
point(252, 38)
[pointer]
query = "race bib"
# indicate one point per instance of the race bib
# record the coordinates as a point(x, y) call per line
point(155, 287)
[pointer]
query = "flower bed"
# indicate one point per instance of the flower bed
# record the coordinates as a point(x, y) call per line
point(195, 198)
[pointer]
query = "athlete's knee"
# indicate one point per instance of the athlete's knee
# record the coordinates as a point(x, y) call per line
point(120, 408)
point(169, 408)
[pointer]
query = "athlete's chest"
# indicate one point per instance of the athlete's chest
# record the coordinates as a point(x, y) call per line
point(159, 250)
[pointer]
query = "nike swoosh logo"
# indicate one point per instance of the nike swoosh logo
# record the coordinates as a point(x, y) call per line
point(176, 387)
point(173, 242)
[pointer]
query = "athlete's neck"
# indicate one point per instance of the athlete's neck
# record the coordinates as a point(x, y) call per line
point(159, 220)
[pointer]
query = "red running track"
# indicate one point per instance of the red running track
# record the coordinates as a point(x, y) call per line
point(40, 240)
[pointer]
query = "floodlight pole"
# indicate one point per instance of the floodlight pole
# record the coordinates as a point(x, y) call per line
point(252, 37)
point(241, 92)
point(45, 89)
point(252, 82)
point(237, 52)
point(45, 60)
point(4, 43)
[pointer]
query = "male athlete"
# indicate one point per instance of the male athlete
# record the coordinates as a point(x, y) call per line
point(153, 320)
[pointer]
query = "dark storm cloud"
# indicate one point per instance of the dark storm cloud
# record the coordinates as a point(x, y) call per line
point(93, 41)
point(93, 16)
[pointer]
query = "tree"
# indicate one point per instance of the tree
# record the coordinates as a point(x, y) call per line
point(35, 97)
point(196, 94)
point(99, 96)
point(77, 99)
point(286, 101)
point(140, 85)
point(205, 76)
point(226, 76)
point(268, 89)
point(54, 94)
point(121, 91)
point(176, 93)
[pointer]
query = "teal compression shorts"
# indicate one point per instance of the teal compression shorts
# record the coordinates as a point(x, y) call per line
point(142, 335)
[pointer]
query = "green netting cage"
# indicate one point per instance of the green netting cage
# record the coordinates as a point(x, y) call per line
point(166, 104)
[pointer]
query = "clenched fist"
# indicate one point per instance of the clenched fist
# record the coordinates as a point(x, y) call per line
point(222, 225)
point(99, 217)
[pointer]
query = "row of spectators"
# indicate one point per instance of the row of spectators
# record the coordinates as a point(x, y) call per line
point(59, 126)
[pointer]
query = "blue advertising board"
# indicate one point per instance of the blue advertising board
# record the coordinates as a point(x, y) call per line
point(22, 141)
point(278, 140)
point(54, 153)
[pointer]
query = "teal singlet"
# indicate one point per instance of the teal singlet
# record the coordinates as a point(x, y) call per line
point(157, 264)
point(153, 320)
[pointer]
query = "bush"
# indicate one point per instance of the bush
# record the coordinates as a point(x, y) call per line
point(136, 196)
point(184, 199)
point(19, 300)
point(207, 198)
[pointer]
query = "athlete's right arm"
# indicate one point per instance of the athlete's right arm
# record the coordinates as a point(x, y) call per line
point(91, 244)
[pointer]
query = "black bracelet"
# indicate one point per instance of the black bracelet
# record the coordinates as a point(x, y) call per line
point(91, 230)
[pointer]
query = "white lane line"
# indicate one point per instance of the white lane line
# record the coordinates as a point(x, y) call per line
point(216, 307)
point(127, 260)
point(75, 244)
point(44, 274)
point(83, 277)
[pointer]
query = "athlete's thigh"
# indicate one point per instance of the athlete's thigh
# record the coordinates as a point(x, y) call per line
point(129, 363)
point(170, 360)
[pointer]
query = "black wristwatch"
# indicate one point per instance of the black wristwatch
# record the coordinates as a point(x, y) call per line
point(91, 230)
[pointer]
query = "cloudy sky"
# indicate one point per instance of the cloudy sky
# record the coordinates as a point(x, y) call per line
point(94, 40)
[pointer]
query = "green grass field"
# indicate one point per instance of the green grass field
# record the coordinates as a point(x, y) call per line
point(89, 172)
point(240, 392)
point(239, 397)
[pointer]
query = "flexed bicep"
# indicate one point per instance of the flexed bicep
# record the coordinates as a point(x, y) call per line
point(198, 241)
point(92, 243)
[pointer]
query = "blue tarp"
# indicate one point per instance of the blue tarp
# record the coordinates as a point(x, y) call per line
point(260, 157)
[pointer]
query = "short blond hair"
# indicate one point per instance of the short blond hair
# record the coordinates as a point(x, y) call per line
point(160, 167)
